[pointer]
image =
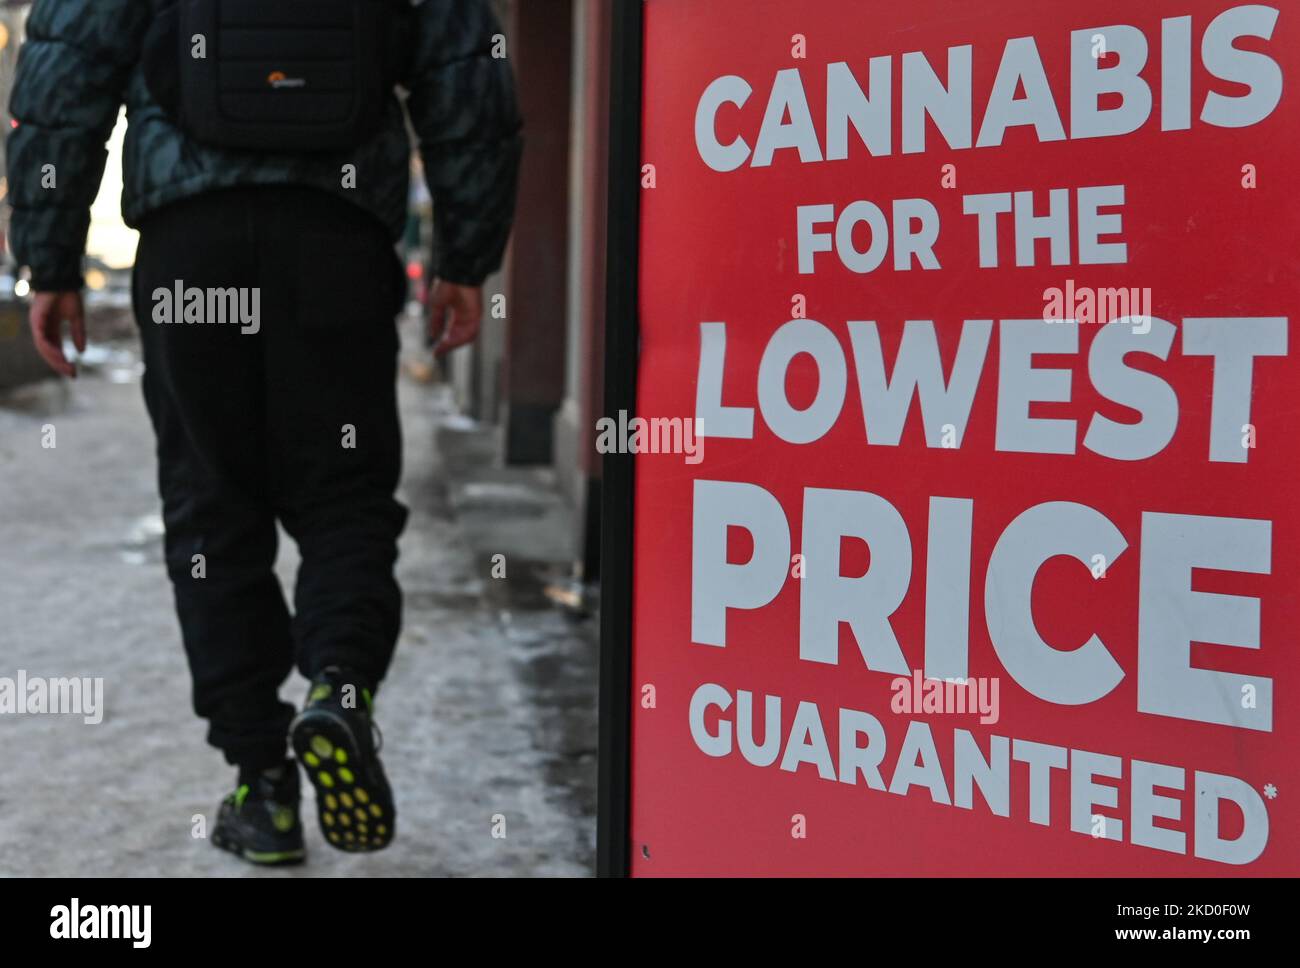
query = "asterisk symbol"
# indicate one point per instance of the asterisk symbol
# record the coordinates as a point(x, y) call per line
point(1270, 791)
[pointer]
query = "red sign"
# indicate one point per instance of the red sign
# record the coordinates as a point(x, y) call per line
point(966, 529)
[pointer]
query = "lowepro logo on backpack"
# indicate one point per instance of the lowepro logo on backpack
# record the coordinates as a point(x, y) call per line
point(277, 75)
point(277, 79)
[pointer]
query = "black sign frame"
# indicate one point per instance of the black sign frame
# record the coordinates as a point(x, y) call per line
point(623, 238)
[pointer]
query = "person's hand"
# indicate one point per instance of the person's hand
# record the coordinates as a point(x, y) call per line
point(48, 313)
point(455, 313)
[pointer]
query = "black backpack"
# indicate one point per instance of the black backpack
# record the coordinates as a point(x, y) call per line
point(277, 75)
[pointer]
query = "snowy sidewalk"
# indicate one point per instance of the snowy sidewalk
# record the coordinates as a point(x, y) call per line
point(488, 711)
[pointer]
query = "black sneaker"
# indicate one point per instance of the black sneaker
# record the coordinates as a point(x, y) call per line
point(259, 821)
point(334, 740)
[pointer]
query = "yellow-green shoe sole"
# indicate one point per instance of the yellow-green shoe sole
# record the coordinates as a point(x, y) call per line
point(353, 801)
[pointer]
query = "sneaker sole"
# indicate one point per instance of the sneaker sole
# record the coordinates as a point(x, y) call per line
point(263, 858)
point(353, 802)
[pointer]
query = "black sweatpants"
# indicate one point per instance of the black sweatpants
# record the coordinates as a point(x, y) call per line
point(296, 422)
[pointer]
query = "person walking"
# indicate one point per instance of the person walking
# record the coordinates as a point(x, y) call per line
point(266, 166)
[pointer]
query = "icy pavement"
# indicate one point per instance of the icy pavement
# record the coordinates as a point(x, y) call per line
point(488, 712)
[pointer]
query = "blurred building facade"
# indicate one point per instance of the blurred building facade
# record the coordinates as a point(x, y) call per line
point(19, 362)
point(537, 370)
point(12, 18)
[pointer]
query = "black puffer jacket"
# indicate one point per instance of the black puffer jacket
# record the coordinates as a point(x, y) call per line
point(81, 62)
